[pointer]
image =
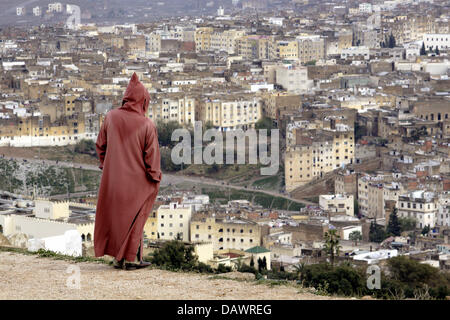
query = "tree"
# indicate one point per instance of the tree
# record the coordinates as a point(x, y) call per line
point(260, 265)
point(264, 262)
point(376, 232)
point(423, 51)
point(265, 123)
point(331, 246)
point(426, 230)
point(356, 207)
point(252, 262)
point(437, 51)
point(407, 224)
point(355, 236)
point(393, 228)
point(86, 146)
point(165, 130)
point(391, 41)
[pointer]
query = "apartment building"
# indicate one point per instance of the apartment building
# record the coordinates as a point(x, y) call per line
point(317, 152)
point(203, 39)
point(227, 233)
point(225, 40)
point(370, 196)
point(436, 40)
point(274, 102)
point(310, 48)
point(286, 50)
point(256, 47)
point(345, 183)
point(420, 205)
point(337, 203)
point(172, 222)
point(179, 108)
point(294, 78)
point(229, 113)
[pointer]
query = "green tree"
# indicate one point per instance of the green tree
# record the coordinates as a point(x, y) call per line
point(355, 236)
point(393, 228)
point(437, 51)
point(391, 41)
point(423, 51)
point(265, 123)
point(426, 230)
point(252, 262)
point(331, 246)
point(86, 146)
point(376, 232)
point(175, 255)
point(407, 224)
point(165, 130)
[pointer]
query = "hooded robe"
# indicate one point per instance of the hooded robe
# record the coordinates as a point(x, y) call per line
point(127, 146)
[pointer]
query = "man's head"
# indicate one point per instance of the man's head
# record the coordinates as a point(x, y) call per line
point(136, 96)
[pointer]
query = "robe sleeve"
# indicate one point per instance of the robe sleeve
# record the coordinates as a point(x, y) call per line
point(152, 156)
point(101, 144)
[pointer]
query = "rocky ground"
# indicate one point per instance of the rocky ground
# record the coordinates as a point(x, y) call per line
point(33, 277)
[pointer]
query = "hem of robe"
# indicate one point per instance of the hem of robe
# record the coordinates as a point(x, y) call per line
point(130, 244)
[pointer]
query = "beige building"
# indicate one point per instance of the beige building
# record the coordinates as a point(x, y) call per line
point(225, 233)
point(370, 197)
point(225, 40)
point(310, 48)
point(337, 203)
point(172, 222)
point(229, 113)
point(178, 108)
point(286, 50)
point(203, 39)
point(317, 152)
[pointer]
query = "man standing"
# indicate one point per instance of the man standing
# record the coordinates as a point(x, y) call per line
point(128, 149)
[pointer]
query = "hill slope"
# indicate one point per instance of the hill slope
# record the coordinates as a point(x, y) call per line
point(33, 277)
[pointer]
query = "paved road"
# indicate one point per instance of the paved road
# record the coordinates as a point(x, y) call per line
point(168, 179)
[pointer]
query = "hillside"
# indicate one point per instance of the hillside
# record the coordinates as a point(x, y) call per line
point(22, 277)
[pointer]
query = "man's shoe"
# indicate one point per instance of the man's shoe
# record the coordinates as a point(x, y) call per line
point(118, 264)
point(134, 266)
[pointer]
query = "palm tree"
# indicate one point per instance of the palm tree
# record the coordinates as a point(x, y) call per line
point(331, 246)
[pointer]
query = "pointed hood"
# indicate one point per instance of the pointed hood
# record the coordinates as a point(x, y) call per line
point(136, 97)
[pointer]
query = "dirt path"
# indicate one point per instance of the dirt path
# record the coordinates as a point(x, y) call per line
point(31, 277)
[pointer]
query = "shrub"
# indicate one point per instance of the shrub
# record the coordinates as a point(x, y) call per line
point(246, 268)
point(175, 255)
point(204, 268)
point(343, 279)
point(221, 268)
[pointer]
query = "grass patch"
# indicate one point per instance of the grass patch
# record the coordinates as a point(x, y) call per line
point(223, 195)
point(41, 253)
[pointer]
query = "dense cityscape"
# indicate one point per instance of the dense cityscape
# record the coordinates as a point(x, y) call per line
point(357, 91)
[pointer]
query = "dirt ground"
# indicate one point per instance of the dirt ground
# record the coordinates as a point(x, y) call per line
point(32, 277)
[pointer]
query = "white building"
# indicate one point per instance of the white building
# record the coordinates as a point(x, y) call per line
point(420, 205)
point(276, 21)
point(360, 51)
point(337, 203)
point(173, 221)
point(433, 40)
point(20, 11)
point(293, 78)
point(365, 7)
point(37, 12)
